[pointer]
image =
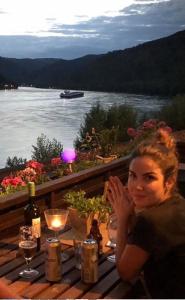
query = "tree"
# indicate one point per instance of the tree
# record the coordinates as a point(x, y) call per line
point(118, 117)
point(45, 149)
point(174, 113)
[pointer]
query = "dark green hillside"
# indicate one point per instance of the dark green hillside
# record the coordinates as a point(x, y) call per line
point(20, 70)
point(65, 74)
point(156, 67)
point(7, 84)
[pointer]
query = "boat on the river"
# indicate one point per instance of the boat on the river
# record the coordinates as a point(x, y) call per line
point(68, 94)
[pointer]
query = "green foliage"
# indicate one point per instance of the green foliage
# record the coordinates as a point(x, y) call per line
point(110, 125)
point(15, 162)
point(95, 118)
point(45, 149)
point(85, 206)
point(84, 165)
point(107, 139)
point(121, 117)
point(173, 114)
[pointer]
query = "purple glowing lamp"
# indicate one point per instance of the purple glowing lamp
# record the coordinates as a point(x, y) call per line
point(68, 156)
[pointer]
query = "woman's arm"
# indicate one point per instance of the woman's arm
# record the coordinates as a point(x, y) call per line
point(5, 292)
point(130, 258)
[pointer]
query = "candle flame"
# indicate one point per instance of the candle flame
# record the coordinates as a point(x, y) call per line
point(56, 223)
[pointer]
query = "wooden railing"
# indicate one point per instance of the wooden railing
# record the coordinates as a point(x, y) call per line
point(50, 194)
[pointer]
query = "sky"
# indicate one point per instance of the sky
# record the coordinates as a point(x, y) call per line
point(73, 28)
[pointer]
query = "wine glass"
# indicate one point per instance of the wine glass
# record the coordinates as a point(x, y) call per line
point(112, 234)
point(56, 220)
point(28, 245)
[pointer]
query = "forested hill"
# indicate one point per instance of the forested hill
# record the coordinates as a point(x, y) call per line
point(156, 67)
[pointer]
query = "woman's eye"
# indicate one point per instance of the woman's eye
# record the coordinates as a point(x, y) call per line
point(132, 175)
point(150, 177)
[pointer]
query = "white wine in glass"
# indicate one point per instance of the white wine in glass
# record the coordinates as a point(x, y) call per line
point(28, 245)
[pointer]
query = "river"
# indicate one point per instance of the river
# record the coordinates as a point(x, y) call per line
point(27, 112)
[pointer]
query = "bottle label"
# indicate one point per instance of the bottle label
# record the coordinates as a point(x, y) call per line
point(36, 227)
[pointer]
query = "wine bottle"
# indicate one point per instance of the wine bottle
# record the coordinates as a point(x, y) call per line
point(32, 214)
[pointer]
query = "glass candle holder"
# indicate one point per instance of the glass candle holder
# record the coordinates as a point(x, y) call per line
point(56, 218)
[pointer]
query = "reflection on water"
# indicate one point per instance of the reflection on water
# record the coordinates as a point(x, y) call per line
point(28, 112)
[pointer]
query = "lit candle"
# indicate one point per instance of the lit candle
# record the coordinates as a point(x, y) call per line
point(56, 224)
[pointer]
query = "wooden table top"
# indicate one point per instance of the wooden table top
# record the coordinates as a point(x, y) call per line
point(109, 285)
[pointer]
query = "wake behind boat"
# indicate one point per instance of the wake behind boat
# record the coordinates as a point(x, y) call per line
point(68, 94)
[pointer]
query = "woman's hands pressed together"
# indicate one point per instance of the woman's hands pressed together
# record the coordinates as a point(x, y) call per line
point(119, 199)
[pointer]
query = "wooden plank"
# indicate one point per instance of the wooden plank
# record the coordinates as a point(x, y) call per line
point(16, 217)
point(18, 286)
point(14, 274)
point(42, 284)
point(56, 289)
point(10, 239)
point(98, 290)
point(9, 257)
point(77, 290)
point(120, 291)
point(32, 291)
point(7, 249)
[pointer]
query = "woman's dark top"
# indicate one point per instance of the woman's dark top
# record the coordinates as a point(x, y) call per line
point(160, 231)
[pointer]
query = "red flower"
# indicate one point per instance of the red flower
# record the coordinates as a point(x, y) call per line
point(56, 161)
point(34, 165)
point(17, 181)
point(12, 181)
point(6, 181)
point(131, 132)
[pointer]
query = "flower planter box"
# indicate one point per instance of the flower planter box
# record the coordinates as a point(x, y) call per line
point(80, 225)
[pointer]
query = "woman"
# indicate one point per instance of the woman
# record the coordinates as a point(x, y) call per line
point(155, 239)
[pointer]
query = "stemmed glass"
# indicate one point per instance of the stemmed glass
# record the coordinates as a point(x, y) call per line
point(56, 220)
point(28, 244)
point(112, 234)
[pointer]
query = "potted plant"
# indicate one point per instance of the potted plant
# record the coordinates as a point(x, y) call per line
point(82, 210)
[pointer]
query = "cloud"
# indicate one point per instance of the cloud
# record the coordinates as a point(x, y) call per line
point(142, 21)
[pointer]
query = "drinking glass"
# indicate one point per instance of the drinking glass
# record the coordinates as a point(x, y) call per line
point(56, 219)
point(112, 235)
point(28, 245)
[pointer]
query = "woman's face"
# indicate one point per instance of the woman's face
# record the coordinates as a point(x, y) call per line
point(146, 182)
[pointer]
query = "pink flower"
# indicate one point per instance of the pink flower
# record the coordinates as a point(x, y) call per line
point(34, 164)
point(56, 161)
point(131, 132)
point(168, 129)
point(149, 124)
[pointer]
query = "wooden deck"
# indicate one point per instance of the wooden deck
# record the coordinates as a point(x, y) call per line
point(109, 284)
